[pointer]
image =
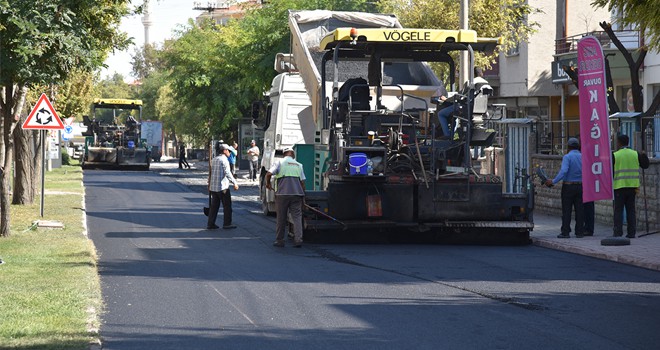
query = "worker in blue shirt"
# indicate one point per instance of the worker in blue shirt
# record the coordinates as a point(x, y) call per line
point(571, 189)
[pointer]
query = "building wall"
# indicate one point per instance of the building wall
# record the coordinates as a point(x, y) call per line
point(541, 48)
point(583, 18)
point(513, 73)
point(528, 73)
point(651, 77)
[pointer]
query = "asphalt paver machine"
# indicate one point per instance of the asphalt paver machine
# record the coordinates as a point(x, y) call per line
point(113, 138)
point(382, 160)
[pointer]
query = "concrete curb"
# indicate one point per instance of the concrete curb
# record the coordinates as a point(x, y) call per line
point(553, 244)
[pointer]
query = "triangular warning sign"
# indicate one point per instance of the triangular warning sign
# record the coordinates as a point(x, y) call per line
point(43, 116)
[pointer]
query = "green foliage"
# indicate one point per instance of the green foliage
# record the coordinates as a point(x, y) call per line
point(169, 111)
point(642, 14)
point(74, 95)
point(113, 87)
point(216, 72)
point(148, 93)
point(42, 41)
point(66, 159)
point(194, 81)
point(145, 61)
point(264, 32)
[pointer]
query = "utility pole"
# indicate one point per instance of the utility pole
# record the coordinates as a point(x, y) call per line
point(464, 73)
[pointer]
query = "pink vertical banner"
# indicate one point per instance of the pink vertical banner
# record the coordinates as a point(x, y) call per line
point(594, 123)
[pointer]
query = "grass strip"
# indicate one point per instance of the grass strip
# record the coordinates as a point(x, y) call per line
point(49, 286)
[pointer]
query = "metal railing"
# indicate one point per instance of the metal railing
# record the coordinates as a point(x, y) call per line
point(631, 39)
point(644, 134)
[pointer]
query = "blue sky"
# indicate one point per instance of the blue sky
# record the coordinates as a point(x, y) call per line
point(166, 16)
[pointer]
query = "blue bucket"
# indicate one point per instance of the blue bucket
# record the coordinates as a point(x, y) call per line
point(358, 163)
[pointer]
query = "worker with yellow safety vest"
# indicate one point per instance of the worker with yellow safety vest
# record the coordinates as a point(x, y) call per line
point(626, 164)
point(289, 195)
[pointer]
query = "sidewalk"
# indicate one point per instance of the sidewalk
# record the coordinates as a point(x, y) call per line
point(170, 165)
point(643, 251)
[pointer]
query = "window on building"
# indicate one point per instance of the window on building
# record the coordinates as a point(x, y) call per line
point(624, 99)
point(513, 50)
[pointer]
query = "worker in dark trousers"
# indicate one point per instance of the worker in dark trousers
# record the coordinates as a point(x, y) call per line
point(589, 214)
point(289, 195)
point(571, 189)
point(182, 157)
point(220, 178)
point(626, 163)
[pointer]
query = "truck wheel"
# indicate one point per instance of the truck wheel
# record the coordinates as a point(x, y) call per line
point(264, 202)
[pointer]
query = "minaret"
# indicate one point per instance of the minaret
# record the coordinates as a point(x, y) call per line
point(146, 21)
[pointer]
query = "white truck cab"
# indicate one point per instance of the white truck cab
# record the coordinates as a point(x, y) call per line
point(287, 120)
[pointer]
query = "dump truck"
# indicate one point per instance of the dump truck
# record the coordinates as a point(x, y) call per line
point(290, 111)
point(380, 160)
point(113, 136)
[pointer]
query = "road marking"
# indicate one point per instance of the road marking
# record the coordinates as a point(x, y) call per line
point(234, 306)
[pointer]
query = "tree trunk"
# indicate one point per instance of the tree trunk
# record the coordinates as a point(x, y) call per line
point(2, 128)
point(24, 170)
point(2, 151)
point(655, 105)
point(638, 97)
point(5, 177)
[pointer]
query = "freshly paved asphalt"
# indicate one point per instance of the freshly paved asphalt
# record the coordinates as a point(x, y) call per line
point(170, 284)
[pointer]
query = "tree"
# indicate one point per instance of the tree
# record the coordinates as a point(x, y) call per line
point(149, 94)
point(151, 72)
point(642, 14)
point(112, 87)
point(41, 42)
point(145, 61)
point(634, 66)
point(27, 142)
point(74, 95)
point(646, 16)
point(253, 41)
point(217, 71)
point(195, 83)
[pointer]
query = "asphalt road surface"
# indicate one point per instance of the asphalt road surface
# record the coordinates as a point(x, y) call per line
point(170, 284)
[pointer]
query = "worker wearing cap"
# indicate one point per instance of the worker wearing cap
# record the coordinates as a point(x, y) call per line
point(220, 177)
point(571, 189)
point(626, 164)
point(289, 195)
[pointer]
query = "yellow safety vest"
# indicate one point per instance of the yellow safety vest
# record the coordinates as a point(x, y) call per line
point(626, 169)
point(288, 168)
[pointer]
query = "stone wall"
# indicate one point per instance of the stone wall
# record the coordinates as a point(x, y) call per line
point(548, 199)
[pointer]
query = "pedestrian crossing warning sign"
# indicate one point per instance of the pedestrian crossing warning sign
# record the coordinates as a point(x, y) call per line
point(43, 116)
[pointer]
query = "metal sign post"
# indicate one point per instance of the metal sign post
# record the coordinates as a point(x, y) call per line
point(43, 170)
point(43, 117)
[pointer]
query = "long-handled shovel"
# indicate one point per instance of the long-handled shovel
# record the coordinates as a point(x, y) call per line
point(327, 217)
point(646, 207)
